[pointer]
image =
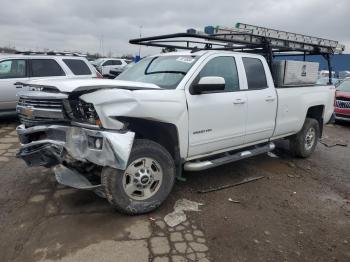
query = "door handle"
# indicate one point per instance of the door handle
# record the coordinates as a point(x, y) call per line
point(239, 101)
point(269, 99)
point(18, 84)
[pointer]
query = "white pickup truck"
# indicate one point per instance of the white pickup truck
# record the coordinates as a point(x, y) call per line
point(129, 138)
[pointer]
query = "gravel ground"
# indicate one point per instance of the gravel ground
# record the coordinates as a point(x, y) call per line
point(299, 211)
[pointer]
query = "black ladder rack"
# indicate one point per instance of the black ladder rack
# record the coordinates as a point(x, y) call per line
point(247, 38)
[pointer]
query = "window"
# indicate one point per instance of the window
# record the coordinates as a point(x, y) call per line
point(112, 62)
point(223, 66)
point(15, 68)
point(117, 62)
point(344, 86)
point(255, 73)
point(77, 66)
point(108, 63)
point(46, 67)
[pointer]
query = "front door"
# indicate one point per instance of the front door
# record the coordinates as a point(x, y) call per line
point(217, 120)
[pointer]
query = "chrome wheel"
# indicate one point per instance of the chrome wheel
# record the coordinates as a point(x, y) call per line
point(142, 178)
point(310, 138)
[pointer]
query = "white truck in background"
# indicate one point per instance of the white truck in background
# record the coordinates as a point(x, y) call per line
point(129, 138)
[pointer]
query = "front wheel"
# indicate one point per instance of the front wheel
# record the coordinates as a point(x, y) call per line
point(145, 183)
point(303, 144)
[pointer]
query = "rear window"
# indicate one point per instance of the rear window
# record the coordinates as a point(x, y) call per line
point(77, 66)
point(46, 67)
point(255, 73)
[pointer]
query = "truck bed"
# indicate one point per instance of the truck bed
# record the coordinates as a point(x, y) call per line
point(293, 102)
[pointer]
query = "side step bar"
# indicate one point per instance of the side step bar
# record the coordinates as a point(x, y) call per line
point(205, 164)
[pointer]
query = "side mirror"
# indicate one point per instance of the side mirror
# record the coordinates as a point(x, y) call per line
point(208, 84)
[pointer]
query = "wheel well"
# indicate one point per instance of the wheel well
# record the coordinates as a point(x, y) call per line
point(164, 134)
point(316, 112)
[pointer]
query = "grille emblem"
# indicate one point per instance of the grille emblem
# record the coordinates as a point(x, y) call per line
point(28, 112)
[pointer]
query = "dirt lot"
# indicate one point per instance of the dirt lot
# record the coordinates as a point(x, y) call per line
point(300, 211)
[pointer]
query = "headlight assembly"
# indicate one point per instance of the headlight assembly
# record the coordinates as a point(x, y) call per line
point(84, 112)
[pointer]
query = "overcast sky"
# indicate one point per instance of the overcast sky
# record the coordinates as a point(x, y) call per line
point(106, 26)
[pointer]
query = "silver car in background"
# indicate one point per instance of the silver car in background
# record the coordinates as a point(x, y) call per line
point(16, 69)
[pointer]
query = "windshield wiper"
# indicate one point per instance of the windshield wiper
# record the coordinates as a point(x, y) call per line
point(165, 72)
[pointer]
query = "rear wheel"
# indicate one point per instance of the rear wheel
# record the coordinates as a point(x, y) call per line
point(145, 183)
point(304, 143)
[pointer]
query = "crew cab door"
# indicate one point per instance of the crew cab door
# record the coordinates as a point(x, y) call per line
point(217, 119)
point(12, 71)
point(261, 99)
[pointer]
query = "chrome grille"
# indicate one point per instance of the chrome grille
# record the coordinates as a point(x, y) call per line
point(50, 104)
point(342, 104)
point(36, 108)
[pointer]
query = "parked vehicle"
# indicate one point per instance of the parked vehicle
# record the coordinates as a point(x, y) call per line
point(342, 102)
point(325, 73)
point(16, 69)
point(344, 74)
point(325, 81)
point(105, 65)
point(129, 138)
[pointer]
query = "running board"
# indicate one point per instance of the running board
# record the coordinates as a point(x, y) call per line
point(202, 165)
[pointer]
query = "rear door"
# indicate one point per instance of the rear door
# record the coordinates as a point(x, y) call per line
point(118, 65)
point(12, 71)
point(45, 68)
point(217, 120)
point(262, 101)
point(109, 65)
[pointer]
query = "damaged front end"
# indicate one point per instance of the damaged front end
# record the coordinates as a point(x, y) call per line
point(75, 150)
point(58, 145)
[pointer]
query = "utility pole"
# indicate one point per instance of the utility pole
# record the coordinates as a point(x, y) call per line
point(140, 28)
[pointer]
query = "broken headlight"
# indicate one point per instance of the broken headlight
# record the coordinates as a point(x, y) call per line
point(84, 112)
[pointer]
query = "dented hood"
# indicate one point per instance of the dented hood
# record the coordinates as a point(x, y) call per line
point(75, 85)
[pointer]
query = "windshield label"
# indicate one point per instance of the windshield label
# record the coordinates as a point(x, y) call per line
point(188, 60)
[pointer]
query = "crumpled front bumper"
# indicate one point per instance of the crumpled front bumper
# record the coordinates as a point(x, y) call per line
point(48, 145)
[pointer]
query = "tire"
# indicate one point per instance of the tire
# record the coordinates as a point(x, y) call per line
point(147, 160)
point(303, 144)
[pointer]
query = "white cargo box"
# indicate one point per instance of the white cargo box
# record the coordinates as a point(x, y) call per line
point(294, 73)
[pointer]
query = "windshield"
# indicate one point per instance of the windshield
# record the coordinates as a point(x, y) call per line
point(344, 86)
point(163, 71)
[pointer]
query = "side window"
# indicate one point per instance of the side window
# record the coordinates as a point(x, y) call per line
point(223, 66)
point(117, 62)
point(15, 68)
point(255, 72)
point(46, 67)
point(108, 63)
point(77, 66)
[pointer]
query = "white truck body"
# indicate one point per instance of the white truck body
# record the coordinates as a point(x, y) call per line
point(193, 126)
point(259, 115)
